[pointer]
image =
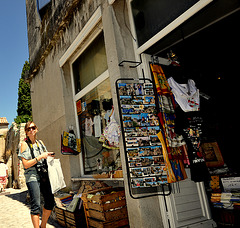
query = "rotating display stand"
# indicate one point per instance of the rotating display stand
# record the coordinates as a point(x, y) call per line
point(143, 151)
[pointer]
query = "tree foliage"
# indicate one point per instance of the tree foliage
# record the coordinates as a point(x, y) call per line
point(24, 108)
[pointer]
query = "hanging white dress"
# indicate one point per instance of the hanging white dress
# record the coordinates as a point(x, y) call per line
point(186, 95)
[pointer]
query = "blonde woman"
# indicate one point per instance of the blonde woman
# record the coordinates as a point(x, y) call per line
point(33, 154)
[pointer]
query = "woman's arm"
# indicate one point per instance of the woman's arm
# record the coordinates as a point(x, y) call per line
point(29, 163)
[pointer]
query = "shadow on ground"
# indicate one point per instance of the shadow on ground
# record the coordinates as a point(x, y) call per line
point(23, 198)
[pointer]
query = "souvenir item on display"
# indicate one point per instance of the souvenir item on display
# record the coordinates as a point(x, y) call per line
point(111, 134)
point(212, 154)
point(88, 125)
point(186, 95)
point(167, 112)
point(70, 145)
point(97, 126)
point(189, 124)
point(173, 150)
point(140, 124)
point(175, 168)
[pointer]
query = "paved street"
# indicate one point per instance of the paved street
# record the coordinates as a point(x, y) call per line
point(14, 210)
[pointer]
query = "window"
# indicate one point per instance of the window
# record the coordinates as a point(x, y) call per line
point(97, 108)
point(42, 3)
point(91, 63)
point(93, 94)
point(42, 6)
point(152, 16)
point(153, 20)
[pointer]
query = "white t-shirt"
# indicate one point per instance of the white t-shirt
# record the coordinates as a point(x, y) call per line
point(3, 170)
point(186, 95)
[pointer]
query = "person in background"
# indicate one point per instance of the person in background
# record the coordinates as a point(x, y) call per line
point(35, 171)
point(3, 174)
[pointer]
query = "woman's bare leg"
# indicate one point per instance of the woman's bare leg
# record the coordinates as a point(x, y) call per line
point(45, 216)
point(35, 221)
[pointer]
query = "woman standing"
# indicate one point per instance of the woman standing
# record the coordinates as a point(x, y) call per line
point(33, 154)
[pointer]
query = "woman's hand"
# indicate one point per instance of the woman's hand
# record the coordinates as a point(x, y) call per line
point(45, 155)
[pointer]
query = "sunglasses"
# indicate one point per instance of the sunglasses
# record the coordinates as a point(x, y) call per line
point(31, 128)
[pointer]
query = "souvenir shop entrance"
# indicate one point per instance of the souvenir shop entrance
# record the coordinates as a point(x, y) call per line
point(210, 58)
point(205, 49)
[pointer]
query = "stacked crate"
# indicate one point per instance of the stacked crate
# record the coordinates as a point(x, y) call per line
point(105, 208)
point(70, 219)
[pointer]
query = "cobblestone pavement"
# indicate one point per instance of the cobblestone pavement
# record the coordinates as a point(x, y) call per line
point(15, 212)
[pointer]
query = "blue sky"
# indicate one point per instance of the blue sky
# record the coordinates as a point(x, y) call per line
point(13, 54)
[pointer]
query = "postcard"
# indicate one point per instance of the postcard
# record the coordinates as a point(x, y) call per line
point(136, 172)
point(149, 100)
point(154, 140)
point(136, 183)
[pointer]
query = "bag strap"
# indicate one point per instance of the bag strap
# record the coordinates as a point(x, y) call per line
point(31, 150)
point(32, 154)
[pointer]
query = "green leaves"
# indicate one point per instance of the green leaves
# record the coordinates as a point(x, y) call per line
point(24, 108)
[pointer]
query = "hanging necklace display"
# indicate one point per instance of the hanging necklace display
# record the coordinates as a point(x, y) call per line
point(145, 163)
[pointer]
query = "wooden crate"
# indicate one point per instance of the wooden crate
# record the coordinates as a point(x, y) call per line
point(109, 215)
point(60, 216)
point(108, 210)
point(113, 224)
point(71, 219)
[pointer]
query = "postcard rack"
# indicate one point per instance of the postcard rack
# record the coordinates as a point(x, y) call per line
point(143, 151)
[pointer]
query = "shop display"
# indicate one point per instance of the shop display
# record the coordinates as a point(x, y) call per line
point(181, 124)
point(105, 207)
point(212, 154)
point(99, 132)
point(140, 126)
point(172, 143)
point(111, 134)
point(186, 95)
point(70, 145)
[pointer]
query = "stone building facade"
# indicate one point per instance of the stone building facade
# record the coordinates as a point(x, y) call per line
point(53, 106)
point(75, 51)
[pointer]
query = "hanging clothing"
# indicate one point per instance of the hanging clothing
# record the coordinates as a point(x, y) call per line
point(111, 134)
point(97, 126)
point(107, 115)
point(186, 95)
point(160, 80)
point(171, 142)
point(175, 168)
point(189, 124)
point(88, 127)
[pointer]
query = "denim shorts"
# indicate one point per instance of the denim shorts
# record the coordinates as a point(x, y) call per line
point(35, 188)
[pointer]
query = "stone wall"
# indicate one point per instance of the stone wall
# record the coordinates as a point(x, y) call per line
point(43, 34)
point(15, 136)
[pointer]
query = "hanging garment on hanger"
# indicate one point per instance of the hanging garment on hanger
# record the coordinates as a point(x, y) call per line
point(88, 126)
point(186, 95)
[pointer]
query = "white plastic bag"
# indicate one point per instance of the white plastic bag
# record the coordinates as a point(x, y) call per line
point(55, 174)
